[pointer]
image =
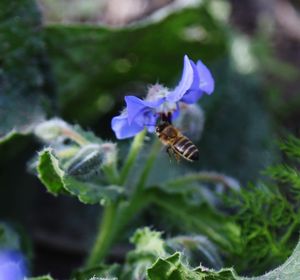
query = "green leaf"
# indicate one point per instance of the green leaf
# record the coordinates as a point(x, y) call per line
point(76, 50)
point(54, 130)
point(58, 181)
point(25, 80)
point(49, 172)
point(195, 215)
point(146, 240)
point(290, 270)
point(197, 249)
point(148, 246)
point(172, 268)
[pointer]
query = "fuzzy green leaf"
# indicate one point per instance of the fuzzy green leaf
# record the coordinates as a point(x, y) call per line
point(58, 181)
point(148, 246)
point(54, 130)
point(171, 268)
point(50, 173)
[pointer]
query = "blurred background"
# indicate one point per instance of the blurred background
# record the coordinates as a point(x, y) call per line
point(76, 59)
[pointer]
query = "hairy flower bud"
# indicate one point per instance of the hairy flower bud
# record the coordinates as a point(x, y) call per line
point(51, 130)
point(91, 158)
point(191, 121)
point(86, 162)
point(109, 153)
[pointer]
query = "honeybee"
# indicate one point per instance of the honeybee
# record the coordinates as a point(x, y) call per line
point(176, 142)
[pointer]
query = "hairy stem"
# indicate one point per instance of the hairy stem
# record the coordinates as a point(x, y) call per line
point(132, 155)
point(76, 137)
point(111, 174)
point(148, 166)
point(105, 236)
point(205, 176)
point(116, 216)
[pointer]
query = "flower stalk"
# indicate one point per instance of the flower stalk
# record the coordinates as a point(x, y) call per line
point(105, 235)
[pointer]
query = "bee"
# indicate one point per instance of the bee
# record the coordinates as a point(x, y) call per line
point(176, 142)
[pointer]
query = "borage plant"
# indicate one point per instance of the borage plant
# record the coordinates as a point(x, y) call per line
point(77, 163)
point(89, 168)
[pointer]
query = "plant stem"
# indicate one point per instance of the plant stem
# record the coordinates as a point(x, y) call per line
point(205, 176)
point(111, 174)
point(110, 222)
point(105, 236)
point(289, 232)
point(148, 166)
point(132, 155)
point(72, 134)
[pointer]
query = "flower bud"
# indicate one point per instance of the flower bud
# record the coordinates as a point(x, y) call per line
point(191, 121)
point(109, 153)
point(91, 158)
point(86, 162)
point(49, 131)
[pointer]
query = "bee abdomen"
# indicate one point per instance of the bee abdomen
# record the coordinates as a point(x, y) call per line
point(186, 148)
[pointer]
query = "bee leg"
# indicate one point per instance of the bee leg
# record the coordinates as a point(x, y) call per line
point(169, 152)
point(177, 157)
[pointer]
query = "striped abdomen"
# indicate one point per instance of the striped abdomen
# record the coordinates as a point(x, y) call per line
point(185, 148)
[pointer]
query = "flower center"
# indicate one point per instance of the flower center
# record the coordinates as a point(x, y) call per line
point(156, 92)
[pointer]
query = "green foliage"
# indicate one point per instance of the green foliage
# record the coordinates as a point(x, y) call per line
point(160, 265)
point(268, 216)
point(291, 147)
point(150, 260)
point(172, 268)
point(64, 169)
point(259, 223)
point(76, 50)
point(23, 75)
point(195, 216)
point(148, 246)
point(56, 164)
point(127, 67)
point(239, 139)
point(262, 231)
point(290, 270)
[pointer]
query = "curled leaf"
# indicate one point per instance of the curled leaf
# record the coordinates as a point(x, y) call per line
point(58, 181)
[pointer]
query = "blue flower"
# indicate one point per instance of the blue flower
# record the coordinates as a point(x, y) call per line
point(12, 265)
point(160, 101)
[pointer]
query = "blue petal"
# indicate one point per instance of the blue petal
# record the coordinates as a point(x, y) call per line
point(193, 93)
point(185, 82)
point(136, 106)
point(123, 129)
point(176, 113)
point(192, 96)
point(146, 118)
point(207, 83)
point(150, 121)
